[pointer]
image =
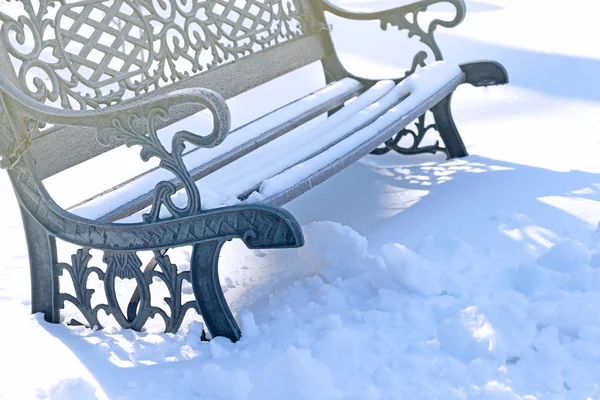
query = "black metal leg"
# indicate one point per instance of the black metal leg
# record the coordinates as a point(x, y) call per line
point(42, 258)
point(481, 73)
point(204, 267)
point(447, 129)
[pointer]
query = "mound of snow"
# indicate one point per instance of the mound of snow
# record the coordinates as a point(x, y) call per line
point(412, 271)
point(565, 257)
point(72, 389)
point(336, 251)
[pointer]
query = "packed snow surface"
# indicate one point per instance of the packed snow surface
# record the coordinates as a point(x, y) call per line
point(421, 278)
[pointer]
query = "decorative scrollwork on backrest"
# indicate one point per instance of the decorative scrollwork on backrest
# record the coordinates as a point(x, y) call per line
point(95, 53)
point(79, 35)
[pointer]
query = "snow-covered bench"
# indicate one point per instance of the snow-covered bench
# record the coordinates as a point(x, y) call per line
point(81, 78)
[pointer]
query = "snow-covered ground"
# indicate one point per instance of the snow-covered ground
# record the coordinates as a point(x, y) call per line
point(476, 278)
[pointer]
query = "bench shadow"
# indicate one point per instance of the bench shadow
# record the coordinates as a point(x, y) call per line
point(555, 74)
point(406, 203)
point(475, 199)
point(517, 209)
point(161, 369)
point(560, 75)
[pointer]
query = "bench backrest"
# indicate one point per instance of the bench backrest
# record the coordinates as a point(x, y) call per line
point(97, 53)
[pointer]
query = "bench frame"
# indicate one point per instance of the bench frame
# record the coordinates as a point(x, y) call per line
point(135, 122)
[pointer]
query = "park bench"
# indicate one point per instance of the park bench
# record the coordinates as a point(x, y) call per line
point(80, 78)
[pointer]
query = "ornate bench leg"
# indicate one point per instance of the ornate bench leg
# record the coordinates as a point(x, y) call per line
point(42, 258)
point(481, 73)
point(204, 270)
point(447, 129)
point(209, 296)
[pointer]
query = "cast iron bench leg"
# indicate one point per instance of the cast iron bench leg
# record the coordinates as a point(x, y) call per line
point(447, 129)
point(204, 268)
point(42, 258)
point(481, 73)
point(207, 289)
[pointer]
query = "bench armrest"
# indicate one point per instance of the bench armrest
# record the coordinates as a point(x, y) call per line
point(135, 123)
point(187, 225)
point(406, 18)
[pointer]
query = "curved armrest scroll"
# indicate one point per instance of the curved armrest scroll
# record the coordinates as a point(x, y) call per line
point(136, 123)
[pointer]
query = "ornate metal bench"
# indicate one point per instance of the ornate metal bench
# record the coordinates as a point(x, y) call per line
point(79, 78)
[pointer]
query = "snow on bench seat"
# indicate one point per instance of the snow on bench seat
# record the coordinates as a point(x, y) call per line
point(292, 163)
point(200, 161)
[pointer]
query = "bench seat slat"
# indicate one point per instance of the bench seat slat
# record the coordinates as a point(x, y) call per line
point(225, 184)
point(287, 165)
point(299, 179)
point(337, 137)
point(136, 193)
